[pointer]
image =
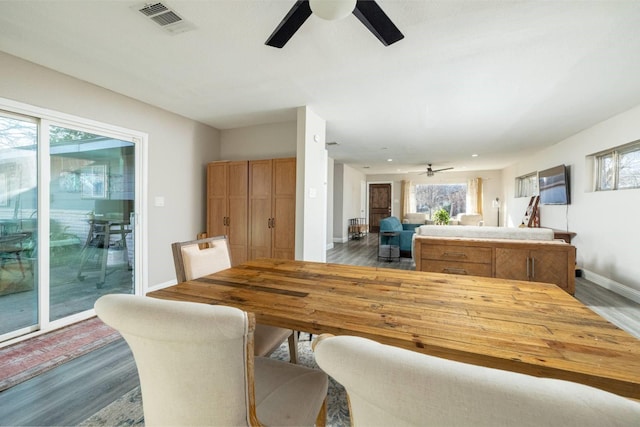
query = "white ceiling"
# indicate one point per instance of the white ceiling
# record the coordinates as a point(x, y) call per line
point(493, 78)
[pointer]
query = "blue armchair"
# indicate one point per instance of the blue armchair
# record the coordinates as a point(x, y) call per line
point(404, 239)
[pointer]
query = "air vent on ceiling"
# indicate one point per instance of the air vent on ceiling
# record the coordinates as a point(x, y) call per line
point(164, 16)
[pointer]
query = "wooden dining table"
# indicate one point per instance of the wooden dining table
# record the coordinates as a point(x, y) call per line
point(526, 327)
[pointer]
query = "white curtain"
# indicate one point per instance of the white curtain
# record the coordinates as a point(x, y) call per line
point(474, 196)
point(406, 195)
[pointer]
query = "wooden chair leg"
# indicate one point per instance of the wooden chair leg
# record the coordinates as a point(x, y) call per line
point(321, 420)
point(293, 347)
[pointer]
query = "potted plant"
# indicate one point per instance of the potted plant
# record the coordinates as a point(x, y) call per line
point(441, 217)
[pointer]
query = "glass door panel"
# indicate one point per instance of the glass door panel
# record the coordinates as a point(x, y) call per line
point(18, 224)
point(91, 200)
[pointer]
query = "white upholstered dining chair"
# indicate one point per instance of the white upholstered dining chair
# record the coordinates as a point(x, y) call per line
point(196, 366)
point(390, 386)
point(200, 257)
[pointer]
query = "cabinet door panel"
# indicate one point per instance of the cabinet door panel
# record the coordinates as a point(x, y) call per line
point(284, 240)
point(284, 208)
point(260, 178)
point(238, 211)
point(511, 263)
point(216, 198)
point(550, 267)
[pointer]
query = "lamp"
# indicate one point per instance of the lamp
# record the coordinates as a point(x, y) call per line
point(496, 205)
point(332, 10)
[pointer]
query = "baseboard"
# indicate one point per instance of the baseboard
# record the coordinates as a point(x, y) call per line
point(618, 288)
point(340, 239)
point(160, 286)
point(329, 246)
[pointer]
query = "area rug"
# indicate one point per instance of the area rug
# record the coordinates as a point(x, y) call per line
point(26, 359)
point(127, 410)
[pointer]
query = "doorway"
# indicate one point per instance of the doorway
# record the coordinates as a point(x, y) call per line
point(379, 205)
point(67, 197)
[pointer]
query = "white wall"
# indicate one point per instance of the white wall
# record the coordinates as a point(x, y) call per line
point(347, 197)
point(491, 183)
point(330, 201)
point(605, 222)
point(178, 149)
point(311, 194)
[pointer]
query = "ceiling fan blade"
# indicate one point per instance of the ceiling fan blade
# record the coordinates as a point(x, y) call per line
point(374, 18)
point(440, 170)
point(290, 24)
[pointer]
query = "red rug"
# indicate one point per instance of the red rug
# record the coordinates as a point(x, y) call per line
point(26, 359)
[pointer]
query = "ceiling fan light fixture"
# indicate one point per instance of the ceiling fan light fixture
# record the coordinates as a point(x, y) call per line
point(332, 10)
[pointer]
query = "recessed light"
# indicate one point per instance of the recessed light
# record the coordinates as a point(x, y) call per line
point(366, 167)
point(474, 155)
point(389, 160)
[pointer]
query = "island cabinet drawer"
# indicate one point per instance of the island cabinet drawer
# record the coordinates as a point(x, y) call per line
point(465, 254)
point(463, 268)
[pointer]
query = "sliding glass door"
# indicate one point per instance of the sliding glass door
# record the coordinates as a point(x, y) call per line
point(91, 200)
point(67, 236)
point(18, 223)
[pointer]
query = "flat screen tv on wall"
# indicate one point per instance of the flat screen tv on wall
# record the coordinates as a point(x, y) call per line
point(554, 186)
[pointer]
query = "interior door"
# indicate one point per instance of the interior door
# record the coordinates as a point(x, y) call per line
point(379, 204)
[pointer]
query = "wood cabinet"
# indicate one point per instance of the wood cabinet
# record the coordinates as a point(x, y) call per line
point(538, 261)
point(227, 205)
point(272, 208)
point(253, 203)
point(537, 265)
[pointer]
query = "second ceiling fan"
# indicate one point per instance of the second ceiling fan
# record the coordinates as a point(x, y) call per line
point(431, 172)
point(367, 11)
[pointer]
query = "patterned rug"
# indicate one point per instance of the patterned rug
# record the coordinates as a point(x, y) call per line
point(26, 359)
point(127, 410)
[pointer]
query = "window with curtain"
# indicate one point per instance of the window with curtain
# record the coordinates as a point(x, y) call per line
point(527, 185)
point(431, 197)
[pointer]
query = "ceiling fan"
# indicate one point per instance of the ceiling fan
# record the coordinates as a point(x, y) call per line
point(367, 11)
point(431, 172)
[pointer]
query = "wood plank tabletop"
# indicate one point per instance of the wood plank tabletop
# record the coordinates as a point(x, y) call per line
point(526, 327)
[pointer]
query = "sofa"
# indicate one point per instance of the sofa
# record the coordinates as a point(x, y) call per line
point(486, 232)
point(467, 219)
point(416, 218)
point(405, 237)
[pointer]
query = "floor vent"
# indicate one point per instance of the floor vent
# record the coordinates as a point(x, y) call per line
point(165, 17)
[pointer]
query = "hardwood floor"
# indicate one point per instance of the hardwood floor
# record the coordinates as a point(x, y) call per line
point(71, 393)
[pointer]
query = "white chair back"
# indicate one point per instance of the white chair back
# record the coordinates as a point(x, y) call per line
point(192, 358)
point(193, 262)
point(390, 386)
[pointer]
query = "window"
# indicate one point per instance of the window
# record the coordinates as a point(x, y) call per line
point(450, 197)
point(618, 168)
point(527, 185)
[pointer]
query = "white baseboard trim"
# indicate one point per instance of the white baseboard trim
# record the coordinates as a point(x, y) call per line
point(340, 239)
point(161, 286)
point(618, 288)
point(329, 246)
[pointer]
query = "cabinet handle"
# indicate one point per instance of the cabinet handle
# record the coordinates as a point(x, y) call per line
point(455, 254)
point(273, 223)
point(533, 268)
point(453, 270)
point(228, 221)
point(528, 270)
